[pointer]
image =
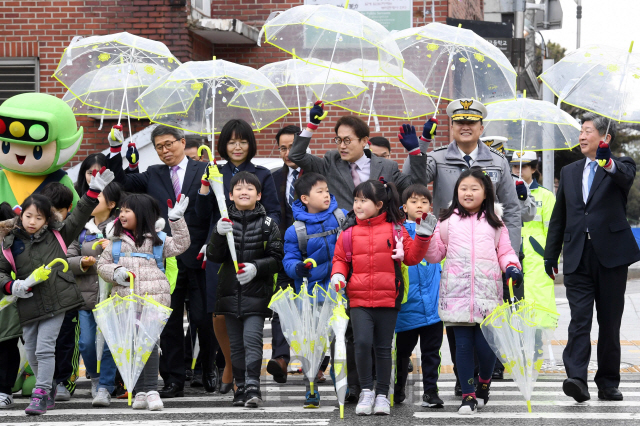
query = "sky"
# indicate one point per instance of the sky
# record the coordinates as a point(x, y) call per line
point(609, 22)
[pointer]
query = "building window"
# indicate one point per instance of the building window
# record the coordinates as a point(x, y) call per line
point(202, 6)
point(18, 75)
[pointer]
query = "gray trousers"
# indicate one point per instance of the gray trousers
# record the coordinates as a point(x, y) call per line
point(148, 380)
point(40, 345)
point(245, 336)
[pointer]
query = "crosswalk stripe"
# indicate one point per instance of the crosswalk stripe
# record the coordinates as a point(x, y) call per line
point(191, 422)
point(484, 415)
point(199, 410)
point(534, 403)
point(539, 384)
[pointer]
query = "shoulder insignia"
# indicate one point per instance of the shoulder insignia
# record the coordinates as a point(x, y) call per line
point(441, 148)
point(495, 151)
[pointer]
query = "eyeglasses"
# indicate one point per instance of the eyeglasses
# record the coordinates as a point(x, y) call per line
point(284, 149)
point(241, 144)
point(346, 140)
point(168, 145)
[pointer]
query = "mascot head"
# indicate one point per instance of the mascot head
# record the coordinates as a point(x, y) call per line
point(38, 133)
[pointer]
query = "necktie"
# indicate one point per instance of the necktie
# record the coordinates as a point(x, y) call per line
point(235, 170)
point(592, 174)
point(291, 190)
point(467, 158)
point(354, 174)
point(175, 180)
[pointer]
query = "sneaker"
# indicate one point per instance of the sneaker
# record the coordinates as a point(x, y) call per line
point(94, 386)
point(312, 400)
point(383, 406)
point(482, 394)
point(102, 398)
point(140, 401)
point(239, 397)
point(431, 399)
point(469, 406)
point(62, 393)
point(253, 396)
point(51, 399)
point(154, 403)
point(365, 403)
point(6, 401)
point(351, 396)
point(399, 394)
point(38, 402)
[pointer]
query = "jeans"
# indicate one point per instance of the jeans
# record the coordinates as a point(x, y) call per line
point(148, 380)
point(40, 344)
point(468, 338)
point(245, 336)
point(87, 345)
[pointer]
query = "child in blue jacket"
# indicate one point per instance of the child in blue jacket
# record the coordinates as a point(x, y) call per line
point(313, 235)
point(418, 317)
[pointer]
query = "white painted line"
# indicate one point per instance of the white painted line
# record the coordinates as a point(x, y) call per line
point(539, 384)
point(195, 410)
point(271, 396)
point(482, 415)
point(190, 422)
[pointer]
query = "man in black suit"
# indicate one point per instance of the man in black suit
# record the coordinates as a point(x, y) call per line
point(589, 217)
point(284, 178)
point(178, 174)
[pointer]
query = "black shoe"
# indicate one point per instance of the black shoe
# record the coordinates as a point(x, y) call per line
point(576, 389)
point(398, 394)
point(497, 375)
point(352, 396)
point(457, 389)
point(610, 394)
point(277, 367)
point(172, 390)
point(196, 382)
point(410, 368)
point(469, 406)
point(225, 388)
point(431, 399)
point(210, 380)
point(188, 375)
point(482, 394)
point(239, 397)
point(253, 396)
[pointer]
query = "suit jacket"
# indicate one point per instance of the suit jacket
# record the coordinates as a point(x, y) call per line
point(338, 173)
point(280, 175)
point(156, 182)
point(604, 215)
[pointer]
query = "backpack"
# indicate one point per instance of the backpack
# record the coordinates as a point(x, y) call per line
point(157, 252)
point(303, 238)
point(83, 237)
point(9, 256)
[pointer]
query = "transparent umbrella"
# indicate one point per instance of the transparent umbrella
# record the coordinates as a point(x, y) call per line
point(339, 322)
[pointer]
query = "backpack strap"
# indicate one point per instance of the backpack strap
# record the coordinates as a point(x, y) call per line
point(60, 240)
point(158, 250)
point(347, 244)
point(6, 252)
point(82, 236)
point(340, 217)
point(116, 246)
point(303, 238)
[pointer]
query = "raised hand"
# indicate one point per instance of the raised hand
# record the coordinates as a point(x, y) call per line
point(316, 115)
point(115, 138)
point(132, 155)
point(99, 181)
point(425, 225)
point(409, 139)
point(429, 129)
point(177, 212)
point(603, 155)
point(521, 190)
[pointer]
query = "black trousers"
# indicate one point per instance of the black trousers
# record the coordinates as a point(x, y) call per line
point(9, 364)
point(279, 345)
point(68, 351)
point(591, 282)
point(430, 342)
point(190, 283)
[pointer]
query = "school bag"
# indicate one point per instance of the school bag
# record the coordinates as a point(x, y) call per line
point(303, 238)
point(116, 247)
point(9, 256)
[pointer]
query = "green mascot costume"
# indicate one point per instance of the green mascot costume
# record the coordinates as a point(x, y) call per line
point(39, 135)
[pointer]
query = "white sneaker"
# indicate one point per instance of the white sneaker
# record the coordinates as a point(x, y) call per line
point(102, 398)
point(154, 402)
point(383, 406)
point(62, 393)
point(365, 403)
point(6, 401)
point(140, 401)
point(94, 387)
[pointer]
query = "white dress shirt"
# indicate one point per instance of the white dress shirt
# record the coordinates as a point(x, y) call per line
point(181, 171)
point(585, 176)
point(473, 154)
point(364, 167)
point(290, 180)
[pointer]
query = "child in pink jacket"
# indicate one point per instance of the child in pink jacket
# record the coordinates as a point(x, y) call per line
point(476, 245)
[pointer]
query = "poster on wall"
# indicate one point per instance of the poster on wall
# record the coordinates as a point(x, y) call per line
point(392, 14)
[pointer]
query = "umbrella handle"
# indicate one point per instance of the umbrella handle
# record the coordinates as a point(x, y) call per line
point(131, 280)
point(205, 148)
point(58, 260)
point(313, 262)
point(95, 245)
point(510, 284)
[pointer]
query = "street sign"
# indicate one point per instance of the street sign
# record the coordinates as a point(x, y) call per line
point(555, 16)
point(504, 44)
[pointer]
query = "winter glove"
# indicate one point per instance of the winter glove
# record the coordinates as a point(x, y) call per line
point(246, 273)
point(603, 155)
point(115, 138)
point(132, 156)
point(551, 268)
point(426, 225)
point(206, 177)
point(338, 282)
point(224, 226)
point(429, 130)
point(409, 139)
point(21, 289)
point(521, 190)
point(177, 212)
point(398, 252)
point(304, 269)
point(99, 181)
point(202, 255)
point(316, 115)
point(515, 275)
point(121, 276)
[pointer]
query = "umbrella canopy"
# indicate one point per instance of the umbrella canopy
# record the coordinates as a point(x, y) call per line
point(532, 125)
point(402, 98)
point(198, 94)
point(600, 79)
point(327, 34)
point(339, 322)
point(455, 63)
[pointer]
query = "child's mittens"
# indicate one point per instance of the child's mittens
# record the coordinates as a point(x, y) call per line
point(398, 252)
point(177, 212)
point(121, 276)
point(338, 282)
point(99, 181)
point(21, 289)
point(304, 269)
point(246, 273)
point(202, 255)
point(224, 226)
point(426, 225)
point(115, 138)
point(132, 156)
point(514, 274)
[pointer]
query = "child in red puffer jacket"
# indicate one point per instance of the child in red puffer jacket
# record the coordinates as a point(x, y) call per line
point(373, 251)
